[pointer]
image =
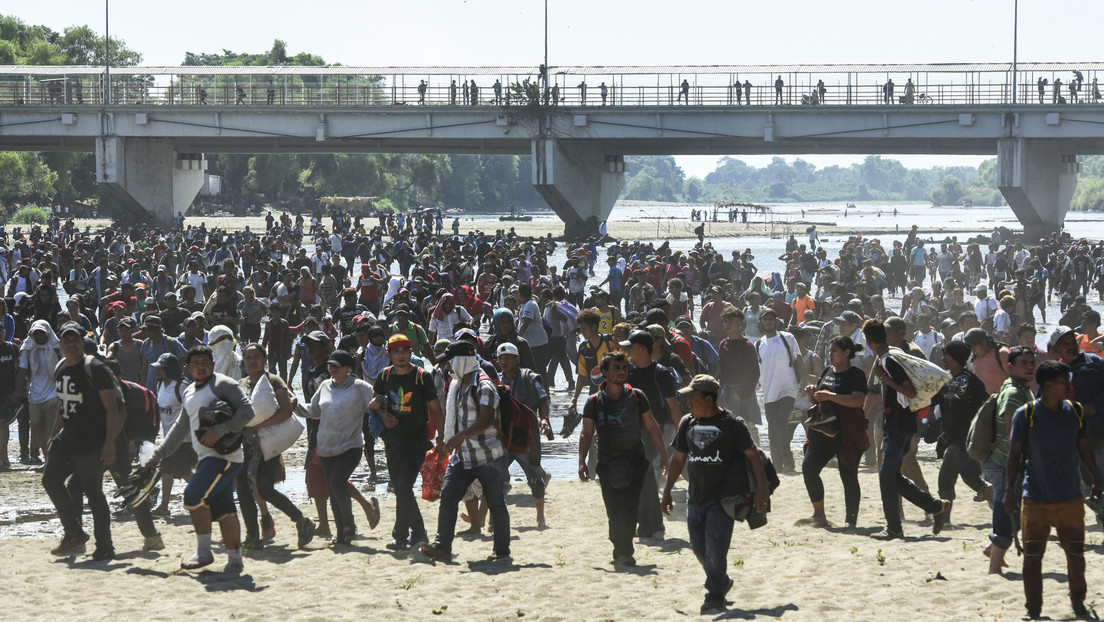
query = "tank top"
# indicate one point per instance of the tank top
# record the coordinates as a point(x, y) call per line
point(605, 326)
point(130, 363)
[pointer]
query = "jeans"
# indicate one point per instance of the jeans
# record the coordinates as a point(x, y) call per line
point(820, 450)
point(338, 469)
point(895, 485)
point(541, 356)
point(1001, 536)
point(648, 513)
point(404, 461)
point(457, 479)
point(957, 462)
point(557, 356)
point(1068, 520)
point(530, 463)
point(266, 488)
point(621, 504)
point(120, 471)
point(710, 535)
point(780, 431)
point(88, 469)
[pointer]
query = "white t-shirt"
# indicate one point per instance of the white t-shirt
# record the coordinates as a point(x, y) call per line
point(927, 342)
point(776, 373)
point(443, 328)
point(985, 307)
point(1002, 321)
point(859, 359)
point(534, 332)
point(196, 280)
point(169, 405)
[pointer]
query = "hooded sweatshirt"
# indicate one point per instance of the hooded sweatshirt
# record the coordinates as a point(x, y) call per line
point(40, 361)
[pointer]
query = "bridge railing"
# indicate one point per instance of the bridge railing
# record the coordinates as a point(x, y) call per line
point(356, 90)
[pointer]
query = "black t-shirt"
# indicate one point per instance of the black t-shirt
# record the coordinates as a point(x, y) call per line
point(712, 446)
point(84, 417)
point(899, 420)
point(9, 359)
point(407, 397)
point(657, 382)
point(845, 383)
point(619, 422)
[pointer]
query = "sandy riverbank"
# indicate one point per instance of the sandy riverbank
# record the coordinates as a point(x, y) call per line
point(782, 571)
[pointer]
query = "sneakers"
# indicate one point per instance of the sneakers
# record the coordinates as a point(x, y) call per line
point(268, 527)
point(397, 545)
point(234, 566)
point(252, 543)
point(886, 535)
point(161, 512)
point(305, 531)
point(625, 560)
point(498, 557)
point(71, 545)
point(197, 562)
point(153, 543)
point(940, 518)
point(103, 555)
point(373, 513)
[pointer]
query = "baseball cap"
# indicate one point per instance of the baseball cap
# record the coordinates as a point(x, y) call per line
point(1057, 334)
point(455, 349)
point(152, 322)
point(702, 383)
point(640, 337)
point(167, 361)
point(658, 333)
point(71, 327)
point(341, 358)
point(399, 340)
point(948, 323)
point(850, 317)
point(975, 337)
point(317, 336)
point(507, 348)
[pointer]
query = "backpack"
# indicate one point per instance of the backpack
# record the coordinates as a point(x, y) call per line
point(143, 417)
point(516, 422)
point(120, 399)
point(982, 437)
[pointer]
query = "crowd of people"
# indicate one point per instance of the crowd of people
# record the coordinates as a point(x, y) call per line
point(400, 333)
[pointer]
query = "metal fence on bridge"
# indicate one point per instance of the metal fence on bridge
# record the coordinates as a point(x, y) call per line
point(829, 85)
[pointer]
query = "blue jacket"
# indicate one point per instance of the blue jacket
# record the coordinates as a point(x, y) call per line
point(1088, 388)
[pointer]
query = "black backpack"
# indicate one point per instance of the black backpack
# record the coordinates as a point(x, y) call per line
point(143, 417)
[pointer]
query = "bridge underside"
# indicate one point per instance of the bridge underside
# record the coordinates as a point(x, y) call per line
point(147, 155)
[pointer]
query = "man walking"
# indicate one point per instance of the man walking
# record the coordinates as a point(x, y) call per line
point(1050, 433)
point(619, 414)
point(782, 372)
point(712, 441)
point(82, 445)
point(477, 452)
point(407, 398)
point(209, 495)
point(898, 428)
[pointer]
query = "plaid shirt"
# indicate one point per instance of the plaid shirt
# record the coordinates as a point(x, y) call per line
point(463, 412)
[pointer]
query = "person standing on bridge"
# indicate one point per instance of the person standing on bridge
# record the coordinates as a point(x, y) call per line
point(889, 92)
point(684, 92)
point(737, 86)
point(1042, 83)
point(821, 90)
point(747, 91)
point(605, 92)
point(474, 93)
point(1056, 91)
point(582, 92)
point(778, 84)
point(241, 95)
point(467, 96)
point(497, 92)
point(421, 92)
point(452, 93)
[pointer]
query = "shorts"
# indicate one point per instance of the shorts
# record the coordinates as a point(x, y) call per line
point(212, 486)
point(43, 417)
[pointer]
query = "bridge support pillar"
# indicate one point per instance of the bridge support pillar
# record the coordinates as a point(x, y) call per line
point(1037, 179)
point(579, 182)
point(145, 179)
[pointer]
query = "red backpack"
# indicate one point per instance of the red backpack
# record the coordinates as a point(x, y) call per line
point(143, 417)
point(516, 421)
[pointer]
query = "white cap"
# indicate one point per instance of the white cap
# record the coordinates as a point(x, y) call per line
point(507, 348)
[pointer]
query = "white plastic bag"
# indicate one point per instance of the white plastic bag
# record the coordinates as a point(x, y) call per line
point(276, 439)
point(264, 402)
point(927, 378)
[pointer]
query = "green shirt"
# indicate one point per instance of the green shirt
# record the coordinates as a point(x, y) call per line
point(1012, 395)
point(415, 333)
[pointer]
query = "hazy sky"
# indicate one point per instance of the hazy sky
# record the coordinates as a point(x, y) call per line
point(590, 32)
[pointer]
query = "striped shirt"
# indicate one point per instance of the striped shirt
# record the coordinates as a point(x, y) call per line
point(462, 411)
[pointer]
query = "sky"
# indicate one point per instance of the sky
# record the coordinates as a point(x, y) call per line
point(586, 32)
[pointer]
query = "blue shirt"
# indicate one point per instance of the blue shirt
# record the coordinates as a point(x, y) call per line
point(1050, 446)
point(615, 273)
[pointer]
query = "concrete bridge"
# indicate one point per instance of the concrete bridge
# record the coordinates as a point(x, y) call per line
point(149, 131)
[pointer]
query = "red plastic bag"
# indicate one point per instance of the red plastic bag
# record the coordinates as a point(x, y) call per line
point(433, 474)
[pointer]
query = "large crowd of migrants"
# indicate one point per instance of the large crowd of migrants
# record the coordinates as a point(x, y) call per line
point(177, 356)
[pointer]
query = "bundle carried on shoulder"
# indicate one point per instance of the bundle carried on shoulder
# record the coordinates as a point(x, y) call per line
point(927, 378)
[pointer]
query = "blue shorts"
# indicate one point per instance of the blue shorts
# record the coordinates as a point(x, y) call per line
point(212, 486)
